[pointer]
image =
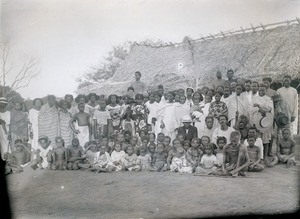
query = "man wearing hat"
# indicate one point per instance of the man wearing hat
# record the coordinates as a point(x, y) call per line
point(4, 126)
point(187, 130)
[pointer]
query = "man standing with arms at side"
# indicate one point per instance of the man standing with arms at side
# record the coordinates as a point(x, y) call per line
point(138, 86)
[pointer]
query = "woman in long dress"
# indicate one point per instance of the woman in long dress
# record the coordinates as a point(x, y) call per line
point(64, 117)
point(34, 121)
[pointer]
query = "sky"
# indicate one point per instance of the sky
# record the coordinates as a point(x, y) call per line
point(70, 36)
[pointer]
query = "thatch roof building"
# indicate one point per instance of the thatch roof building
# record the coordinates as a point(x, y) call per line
point(253, 55)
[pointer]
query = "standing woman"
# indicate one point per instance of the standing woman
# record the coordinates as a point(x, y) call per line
point(48, 120)
point(4, 125)
point(34, 121)
point(64, 117)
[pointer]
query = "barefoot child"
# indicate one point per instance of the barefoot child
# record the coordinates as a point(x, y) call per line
point(254, 153)
point(179, 162)
point(286, 148)
point(20, 157)
point(60, 155)
point(166, 143)
point(144, 158)
point(221, 142)
point(42, 157)
point(130, 161)
point(193, 155)
point(117, 156)
point(75, 155)
point(173, 152)
point(83, 127)
point(208, 162)
point(159, 161)
point(102, 161)
point(235, 156)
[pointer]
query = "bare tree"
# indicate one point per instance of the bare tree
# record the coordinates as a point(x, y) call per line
point(21, 75)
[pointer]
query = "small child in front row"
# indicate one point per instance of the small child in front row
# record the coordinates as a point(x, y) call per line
point(117, 156)
point(159, 161)
point(208, 161)
point(286, 149)
point(130, 161)
point(193, 155)
point(59, 155)
point(173, 152)
point(179, 162)
point(221, 142)
point(102, 161)
point(75, 155)
point(144, 158)
point(254, 153)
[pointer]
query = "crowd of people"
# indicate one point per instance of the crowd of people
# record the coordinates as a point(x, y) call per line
point(228, 128)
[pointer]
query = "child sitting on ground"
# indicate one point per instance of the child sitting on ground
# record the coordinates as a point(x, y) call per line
point(194, 155)
point(235, 156)
point(90, 154)
point(179, 162)
point(159, 161)
point(286, 149)
point(208, 161)
point(75, 155)
point(173, 152)
point(59, 155)
point(130, 161)
point(151, 149)
point(117, 155)
point(221, 142)
point(166, 143)
point(10, 166)
point(144, 158)
point(160, 138)
point(186, 145)
point(102, 161)
point(254, 153)
point(21, 156)
point(42, 157)
point(205, 140)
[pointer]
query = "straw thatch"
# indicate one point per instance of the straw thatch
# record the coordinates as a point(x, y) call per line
point(252, 55)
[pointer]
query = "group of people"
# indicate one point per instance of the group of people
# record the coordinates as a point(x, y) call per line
point(226, 129)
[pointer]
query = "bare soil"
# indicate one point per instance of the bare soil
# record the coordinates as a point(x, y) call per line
point(81, 194)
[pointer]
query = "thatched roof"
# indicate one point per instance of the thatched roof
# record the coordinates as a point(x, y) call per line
point(253, 55)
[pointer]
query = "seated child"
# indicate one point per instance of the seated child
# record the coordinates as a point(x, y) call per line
point(235, 156)
point(254, 156)
point(159, 161)
point(130, 161)
point(221, 142)
point(173, 152)
point(179, 162)
point(75, 155)
point(21, 156)
point(166, 143)
point(117, 155)
point(42, 157)
point(205, 140)
point(160, 137)
point(145, 142)
point(144, 158)
point(59, 155)
point(186, 144)
point(194, 155)
point(102, 160)
point(180, 137)
point(90, 153)
point(152, 139)
point(208, 161)
point(151, 150)
point(10, 166)
point(286, 149)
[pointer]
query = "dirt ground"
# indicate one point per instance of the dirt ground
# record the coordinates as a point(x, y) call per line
point(80, 194)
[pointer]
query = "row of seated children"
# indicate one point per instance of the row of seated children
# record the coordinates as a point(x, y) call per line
point(151, 154)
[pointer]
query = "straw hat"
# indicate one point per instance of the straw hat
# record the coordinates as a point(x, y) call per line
point(3, 100)
point(263, 123)
point(186, 118)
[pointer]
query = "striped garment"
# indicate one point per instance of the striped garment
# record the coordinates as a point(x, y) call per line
point(48, 123)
